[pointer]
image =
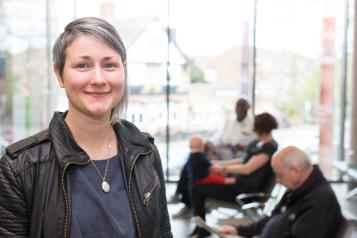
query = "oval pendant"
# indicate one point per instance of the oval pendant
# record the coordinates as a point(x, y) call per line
point(105, 186)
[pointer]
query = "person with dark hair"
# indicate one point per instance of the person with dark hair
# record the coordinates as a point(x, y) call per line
point(251, 174)
point(91, 173)
point(236, 134)
point(309, 208)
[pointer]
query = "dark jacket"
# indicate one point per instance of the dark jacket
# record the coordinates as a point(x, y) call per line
point(311, 211)
point(197, 166)
point(34, 185)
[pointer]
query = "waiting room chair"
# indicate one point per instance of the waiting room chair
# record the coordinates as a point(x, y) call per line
point(348, 229)
point(263, 203)
point(245, 198)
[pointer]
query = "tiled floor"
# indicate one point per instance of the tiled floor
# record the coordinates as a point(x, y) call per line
point(181, 228)
point(349, 206)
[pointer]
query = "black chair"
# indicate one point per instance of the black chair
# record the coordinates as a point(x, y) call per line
point(263, 203)
point(242, 200)
point(255, 205)
point(348, 229)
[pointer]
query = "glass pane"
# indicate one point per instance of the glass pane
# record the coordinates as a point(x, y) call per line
point(299, 49)
point(298, 77)
point(204, 69)
point(23, 69)
point(216, 37)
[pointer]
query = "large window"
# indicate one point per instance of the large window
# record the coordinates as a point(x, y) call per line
point(188, 63)
point(299, 68)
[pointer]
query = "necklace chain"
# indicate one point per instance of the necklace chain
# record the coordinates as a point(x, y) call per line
point(106, 168)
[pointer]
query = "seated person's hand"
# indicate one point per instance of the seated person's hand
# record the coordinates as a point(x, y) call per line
point(230, 180)
point(217, 167)
point(226, 145)
point(239, 147)
point(227, 230)
point(216, 162)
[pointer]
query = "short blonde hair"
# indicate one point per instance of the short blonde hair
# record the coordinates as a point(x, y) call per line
point(196, 143)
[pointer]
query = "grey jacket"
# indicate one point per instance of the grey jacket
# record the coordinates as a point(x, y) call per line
point(34, 187)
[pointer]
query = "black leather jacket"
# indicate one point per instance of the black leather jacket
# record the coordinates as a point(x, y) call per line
point(34, 187)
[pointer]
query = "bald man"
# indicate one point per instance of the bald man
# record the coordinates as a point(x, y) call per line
point(309, 208)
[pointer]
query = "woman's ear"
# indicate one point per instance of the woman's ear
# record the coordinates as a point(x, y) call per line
point(58, 76)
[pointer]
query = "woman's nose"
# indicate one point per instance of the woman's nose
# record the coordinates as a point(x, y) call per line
point(97, 76)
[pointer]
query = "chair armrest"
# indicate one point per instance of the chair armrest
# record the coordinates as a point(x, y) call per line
point(252, 205)
point(250, 196)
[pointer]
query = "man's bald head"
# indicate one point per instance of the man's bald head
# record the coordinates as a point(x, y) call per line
point(293, 157)
point(292, 167)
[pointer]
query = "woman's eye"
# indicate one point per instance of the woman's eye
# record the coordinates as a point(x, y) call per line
point(109, 65)
point(82, 66)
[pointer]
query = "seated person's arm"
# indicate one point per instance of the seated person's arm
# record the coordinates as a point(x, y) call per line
point(248, 230)
point(228, 230)
point(226, 162)
point(252, 165)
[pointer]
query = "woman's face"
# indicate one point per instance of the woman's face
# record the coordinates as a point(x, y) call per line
point(93, 77)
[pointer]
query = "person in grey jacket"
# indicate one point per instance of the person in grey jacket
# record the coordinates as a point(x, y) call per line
point(90, 174)
point(308, 209)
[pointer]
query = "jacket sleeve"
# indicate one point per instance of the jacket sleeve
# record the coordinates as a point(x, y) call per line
point(13, 210)
point(165, 219)
point(252, 229)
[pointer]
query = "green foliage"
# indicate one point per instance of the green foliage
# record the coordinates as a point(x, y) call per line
point(303, 99)
point(197, 75)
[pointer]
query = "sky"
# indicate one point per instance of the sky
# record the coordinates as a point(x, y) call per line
point(210, 27)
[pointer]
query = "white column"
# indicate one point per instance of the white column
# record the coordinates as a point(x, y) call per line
point(352, 160)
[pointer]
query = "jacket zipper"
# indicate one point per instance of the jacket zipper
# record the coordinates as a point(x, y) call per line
point(147, 195)
point(66, 216)
point(129, 188)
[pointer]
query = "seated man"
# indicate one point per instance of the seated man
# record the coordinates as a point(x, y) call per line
point(236, 134)
point(308, 209)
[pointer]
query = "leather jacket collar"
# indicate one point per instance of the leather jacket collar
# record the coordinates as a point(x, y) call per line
point(66, 149)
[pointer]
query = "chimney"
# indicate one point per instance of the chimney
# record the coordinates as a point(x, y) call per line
point(107, 11)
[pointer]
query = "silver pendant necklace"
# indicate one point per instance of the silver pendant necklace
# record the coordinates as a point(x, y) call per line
point(105, 184)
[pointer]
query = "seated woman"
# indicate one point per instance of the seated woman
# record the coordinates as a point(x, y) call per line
point(252, 173)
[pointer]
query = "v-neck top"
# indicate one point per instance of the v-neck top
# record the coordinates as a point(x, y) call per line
point(94, 212)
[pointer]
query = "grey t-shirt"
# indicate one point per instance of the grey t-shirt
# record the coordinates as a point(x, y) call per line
point(95, 213)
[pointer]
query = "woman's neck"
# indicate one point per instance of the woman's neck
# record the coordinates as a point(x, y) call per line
point(92, 135)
